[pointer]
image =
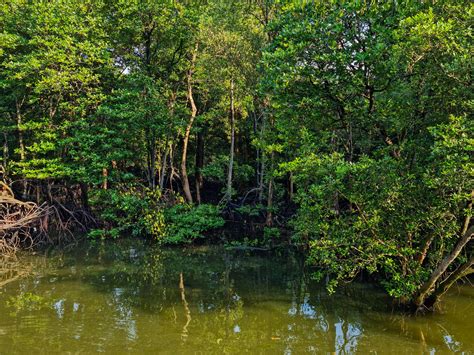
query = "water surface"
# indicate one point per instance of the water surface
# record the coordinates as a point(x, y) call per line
point(130, 297)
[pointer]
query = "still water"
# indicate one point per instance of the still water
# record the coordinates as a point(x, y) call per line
point(133, 298)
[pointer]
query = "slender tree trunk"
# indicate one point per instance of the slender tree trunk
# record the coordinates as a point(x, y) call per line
point(49, 192)
point(351, 142)
point(167, 150)
point(184, 173)
point(163, 168)
point(269, 219)
point(20, 140)
point(152, 161)
point(199, 165)
point(257, 151)
point(105, 174)
point(173, 172)
point(291, 186)
point(159, 164)
point(261, 177)
point(153, 164)
point(5, 155)
point(38, 194)
point(232, 142)
point(84, 195)
point(20, 132)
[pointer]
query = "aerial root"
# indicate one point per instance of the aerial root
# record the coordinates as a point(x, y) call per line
point(21, 224)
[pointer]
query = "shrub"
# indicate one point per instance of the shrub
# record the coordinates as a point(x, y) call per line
point(186, 223)
point(135, 211)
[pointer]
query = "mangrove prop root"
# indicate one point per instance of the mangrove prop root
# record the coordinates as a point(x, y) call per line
point(24, 225)
point(20, 224)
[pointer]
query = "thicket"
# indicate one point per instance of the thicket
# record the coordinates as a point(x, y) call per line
point(344, 128)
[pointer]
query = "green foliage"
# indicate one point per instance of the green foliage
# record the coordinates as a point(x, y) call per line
point(143, 213)
point(250, 210)
point(186, 223)
point(271, 235)
point(375, 216)
point(216, 170)
point(355, 116)
point(372, 102)
point(52, 69)
point(129, 211)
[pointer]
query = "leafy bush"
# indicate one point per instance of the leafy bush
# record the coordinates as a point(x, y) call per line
point(134, 211)
point(186, 223)
point(271, 235)
point(144, 213)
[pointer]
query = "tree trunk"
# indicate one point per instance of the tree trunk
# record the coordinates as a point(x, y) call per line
point(85, 196)
point(20, 140)
point(105, 174)
point(261, 178)
point(291, 186)
point(269, 219)
point(446, 284)
point(167, 149)
point(49, 192)
point(184, 173)
point(429, 286)
point(199, 165)
point(20, 131)
point(257, 151)
point(5, 156)
point(232, 141)
point(152, 161)
point(173, 172)
point(163, 168)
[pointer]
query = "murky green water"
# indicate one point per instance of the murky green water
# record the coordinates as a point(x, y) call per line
point(131, 298)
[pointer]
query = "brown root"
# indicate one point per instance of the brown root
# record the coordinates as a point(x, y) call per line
point(20, 224)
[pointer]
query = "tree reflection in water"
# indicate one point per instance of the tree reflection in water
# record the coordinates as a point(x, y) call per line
point(135, 297)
